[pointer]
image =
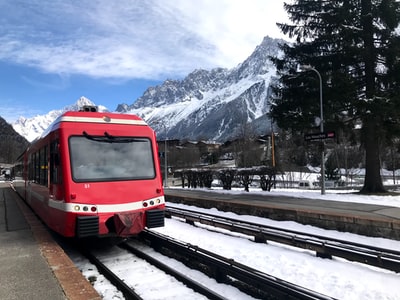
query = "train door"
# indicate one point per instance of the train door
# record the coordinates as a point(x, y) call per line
point(41, 187)
point(37, 192)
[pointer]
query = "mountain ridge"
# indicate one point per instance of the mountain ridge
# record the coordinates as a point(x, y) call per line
point(206, 104)
point(32, 128)
point(212, 104)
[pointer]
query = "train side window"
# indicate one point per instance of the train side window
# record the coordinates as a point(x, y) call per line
point(43, 166)
point(55, 167)
point(30, 168)
point(36, 165)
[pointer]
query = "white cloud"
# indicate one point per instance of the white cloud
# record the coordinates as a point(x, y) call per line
point(134, 38)
point(234, 27)
point(10, 111)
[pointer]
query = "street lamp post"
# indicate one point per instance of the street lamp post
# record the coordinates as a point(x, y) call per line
point(321, 126)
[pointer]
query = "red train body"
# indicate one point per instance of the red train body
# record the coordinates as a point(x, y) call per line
point(94, 174)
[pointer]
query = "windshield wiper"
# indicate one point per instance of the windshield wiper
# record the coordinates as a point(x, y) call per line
point(108, 138)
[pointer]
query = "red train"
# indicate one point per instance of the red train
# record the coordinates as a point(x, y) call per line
point(94, 174)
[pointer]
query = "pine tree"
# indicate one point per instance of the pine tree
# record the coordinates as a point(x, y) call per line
point(354, 46)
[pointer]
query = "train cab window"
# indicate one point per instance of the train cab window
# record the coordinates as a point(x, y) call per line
point(110, 158)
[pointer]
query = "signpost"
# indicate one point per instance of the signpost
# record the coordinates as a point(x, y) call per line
point(319, 136)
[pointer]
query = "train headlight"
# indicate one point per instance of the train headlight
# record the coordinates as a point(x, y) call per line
point(158, 201)
point(151, 202)
point(85, 208)
point(77, 208)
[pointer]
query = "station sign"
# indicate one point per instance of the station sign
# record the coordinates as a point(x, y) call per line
point(320, 136)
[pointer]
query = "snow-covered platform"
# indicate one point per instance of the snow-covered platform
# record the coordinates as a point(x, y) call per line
point(32, 265)
point(347, 215)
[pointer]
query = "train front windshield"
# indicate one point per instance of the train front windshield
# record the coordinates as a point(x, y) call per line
point(110, 158)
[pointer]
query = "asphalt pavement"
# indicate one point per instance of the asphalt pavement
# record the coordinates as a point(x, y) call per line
point(24, 272)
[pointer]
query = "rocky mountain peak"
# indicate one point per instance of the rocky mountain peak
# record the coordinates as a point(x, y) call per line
point(211, 104)
point(207, 104)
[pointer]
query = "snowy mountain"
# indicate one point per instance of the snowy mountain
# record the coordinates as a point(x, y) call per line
point(214, 104)
point(207, 104)
point(33, 127)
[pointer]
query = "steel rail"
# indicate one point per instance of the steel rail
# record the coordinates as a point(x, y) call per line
point(251, 281)
point(196, 286)
point(323, 246)
point(127, 291)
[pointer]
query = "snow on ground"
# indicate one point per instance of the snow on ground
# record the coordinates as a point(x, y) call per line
point(337, 277)
point(334, 195)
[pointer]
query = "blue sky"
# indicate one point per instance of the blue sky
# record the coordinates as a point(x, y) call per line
point(55, 51)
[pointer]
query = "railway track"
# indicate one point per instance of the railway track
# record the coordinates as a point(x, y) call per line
point(250, 281)
point(128, 292)
point(134, 289)
point(323, 246)
point(196, 286)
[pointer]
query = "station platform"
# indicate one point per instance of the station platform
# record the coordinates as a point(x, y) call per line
point(32, 265)
point(365, 219)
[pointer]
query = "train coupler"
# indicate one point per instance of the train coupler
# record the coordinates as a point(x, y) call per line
point(127, 224)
